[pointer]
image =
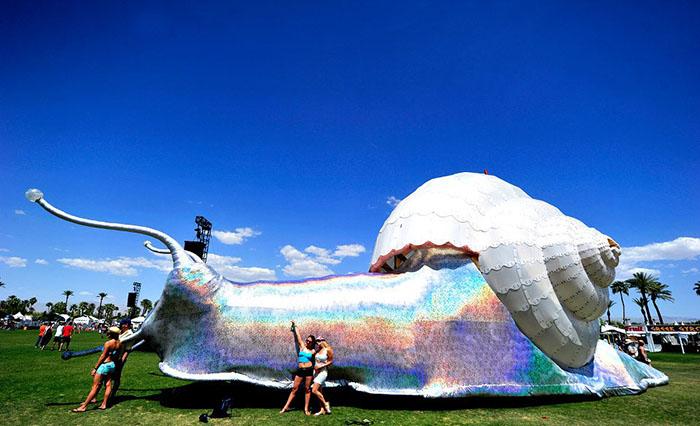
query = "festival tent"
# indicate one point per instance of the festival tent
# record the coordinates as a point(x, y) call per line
point(81, 321)
point(137, 322)
point(607, 328)
point(19, 317)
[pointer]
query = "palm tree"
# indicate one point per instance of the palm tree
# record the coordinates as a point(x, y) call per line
point(641, 281)
point(49, 305)
point(67, 293)
point(610, 305)
point(99, 310)
point(640, 303)
point(147, 305)
point(659, 291)
point(31, 301)
point(83, 307)
point(109, 309)
point(621, 287)
point(2, 284)
point(697, 288)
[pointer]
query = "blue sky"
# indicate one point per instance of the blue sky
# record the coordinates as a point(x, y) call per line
point(290, 127)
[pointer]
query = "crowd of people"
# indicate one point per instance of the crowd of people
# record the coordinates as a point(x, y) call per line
point(61, 331)
point(633, 347)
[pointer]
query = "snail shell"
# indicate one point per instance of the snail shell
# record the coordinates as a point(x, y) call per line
point(551, 271)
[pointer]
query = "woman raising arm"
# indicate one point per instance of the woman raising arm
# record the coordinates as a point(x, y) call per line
point(304, 371)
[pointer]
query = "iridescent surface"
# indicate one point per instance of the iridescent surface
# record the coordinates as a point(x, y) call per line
point(432, 332)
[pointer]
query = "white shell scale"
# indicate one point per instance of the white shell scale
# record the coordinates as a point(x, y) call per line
point(550, 271)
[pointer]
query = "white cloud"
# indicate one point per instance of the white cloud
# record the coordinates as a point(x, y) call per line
point(14, 261)
point(85, 293)
point(4, 250)
point(235, 237)
point(683, 248)
point(41, 262)
point(124, 266)
point(130, 266)
point(217, 260)
point(691, 271)
point(227, 266)
point(247, 274)
point(322, 255)
point(301, 265)
point(349, 250)
point(20, 212)
point(312, 262)
point(393, 201)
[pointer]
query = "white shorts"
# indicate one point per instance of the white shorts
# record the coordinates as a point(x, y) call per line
point(321, 377)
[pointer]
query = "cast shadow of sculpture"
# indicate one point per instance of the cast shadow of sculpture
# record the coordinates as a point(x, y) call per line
point(200, 395)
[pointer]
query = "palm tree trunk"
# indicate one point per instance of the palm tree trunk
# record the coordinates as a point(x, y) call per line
point(646, 306)
point(644, 315)
point(623, 308)
point(609, 322)
point(658, 312)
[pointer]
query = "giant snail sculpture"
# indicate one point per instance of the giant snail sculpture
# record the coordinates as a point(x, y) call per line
point(474, 288)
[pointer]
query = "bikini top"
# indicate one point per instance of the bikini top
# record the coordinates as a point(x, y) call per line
point(304, 356)
point(321, 357)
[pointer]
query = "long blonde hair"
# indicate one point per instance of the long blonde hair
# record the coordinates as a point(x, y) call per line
point(327, 346)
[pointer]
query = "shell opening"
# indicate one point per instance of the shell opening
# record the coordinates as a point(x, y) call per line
point(410, 258)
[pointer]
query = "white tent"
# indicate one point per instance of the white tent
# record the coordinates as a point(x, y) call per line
point(137, 322)
point(607, 328)
point(81, 321)
point(19, 317)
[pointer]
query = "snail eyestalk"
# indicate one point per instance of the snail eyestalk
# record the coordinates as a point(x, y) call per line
point(176, 251)
point(34, 195)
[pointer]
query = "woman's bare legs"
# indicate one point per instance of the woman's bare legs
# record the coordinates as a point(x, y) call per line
point(316, 390)
point(96, 385)
point(307, 395)
point(295, 387)
point(108, 393)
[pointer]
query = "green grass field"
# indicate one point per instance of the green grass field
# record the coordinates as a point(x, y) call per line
point(39, 388)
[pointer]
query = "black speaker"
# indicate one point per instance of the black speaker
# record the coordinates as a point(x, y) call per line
point(131, 300)
point(196, 247)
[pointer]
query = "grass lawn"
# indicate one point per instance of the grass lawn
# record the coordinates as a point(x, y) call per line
point(39, 388)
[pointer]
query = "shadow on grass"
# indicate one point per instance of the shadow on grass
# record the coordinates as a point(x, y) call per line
point(206, 395)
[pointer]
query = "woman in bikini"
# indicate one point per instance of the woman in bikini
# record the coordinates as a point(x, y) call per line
point(305, 371)
point(103, 370)
point(323, 360)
